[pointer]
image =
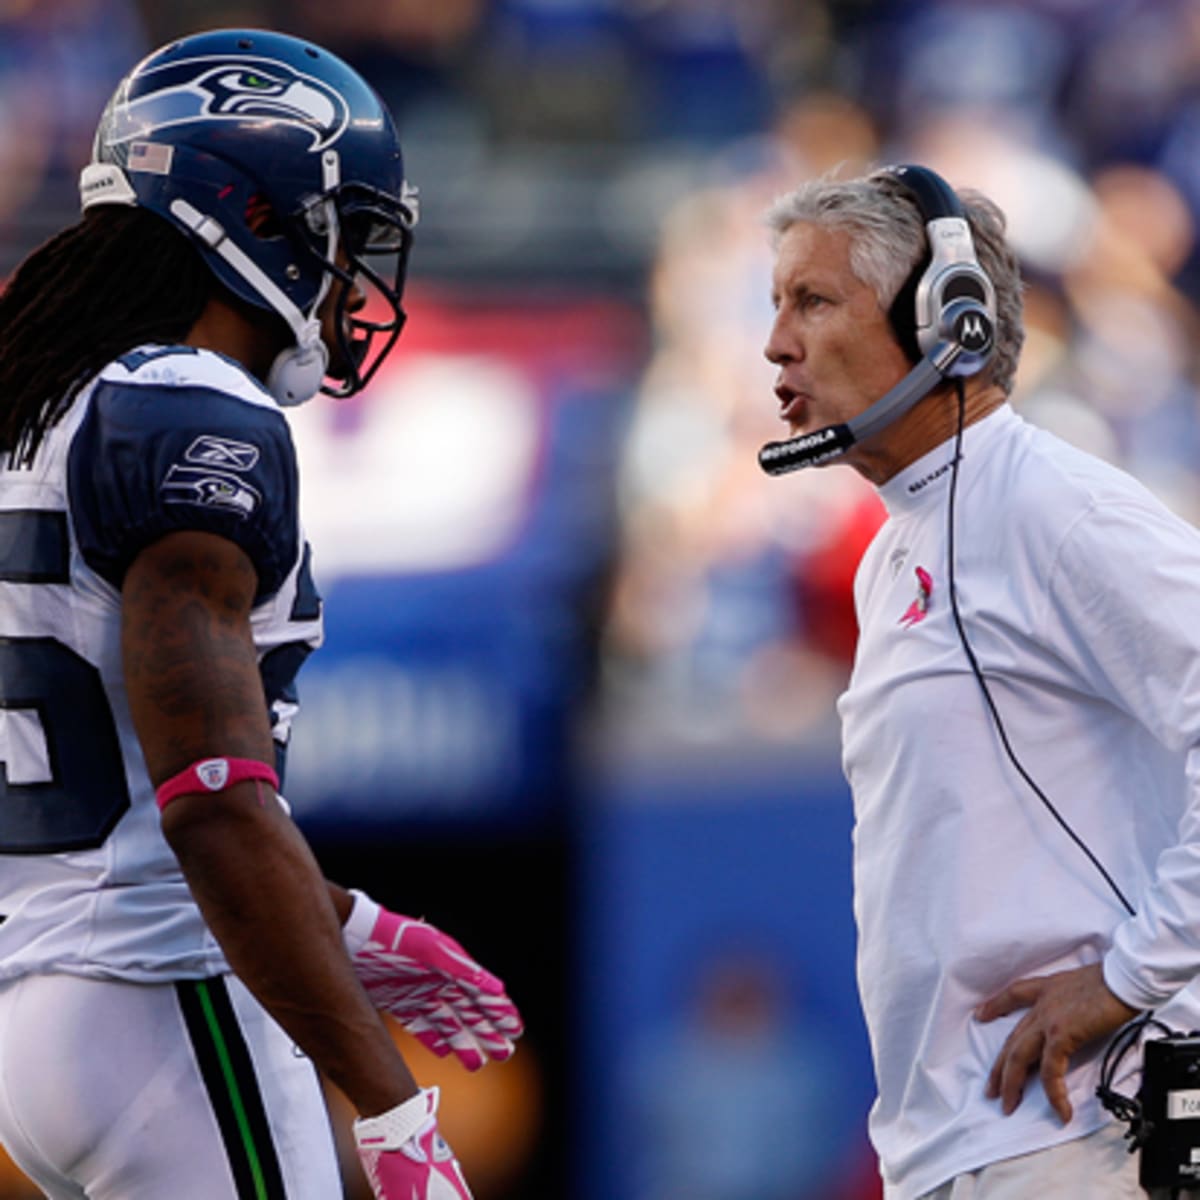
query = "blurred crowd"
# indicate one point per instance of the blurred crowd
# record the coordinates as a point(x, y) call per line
point(626, 150)
point(731, 619)
point(630, 146)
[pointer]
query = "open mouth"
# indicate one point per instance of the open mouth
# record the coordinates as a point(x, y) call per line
point(792, 404)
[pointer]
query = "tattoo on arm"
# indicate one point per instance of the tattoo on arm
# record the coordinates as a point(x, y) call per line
point(191, 669)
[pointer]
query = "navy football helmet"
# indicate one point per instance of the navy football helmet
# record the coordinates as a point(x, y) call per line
point(285, 167)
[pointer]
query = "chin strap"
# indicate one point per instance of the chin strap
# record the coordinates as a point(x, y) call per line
point(298, 371)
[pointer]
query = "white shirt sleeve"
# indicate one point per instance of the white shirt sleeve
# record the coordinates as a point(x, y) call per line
point(1136, 635)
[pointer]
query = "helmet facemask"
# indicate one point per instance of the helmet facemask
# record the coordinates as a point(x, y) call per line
point(349, 230)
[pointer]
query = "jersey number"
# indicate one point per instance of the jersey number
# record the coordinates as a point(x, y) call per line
point(45, 686)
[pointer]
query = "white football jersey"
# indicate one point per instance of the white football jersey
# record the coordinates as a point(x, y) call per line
point(164, 439)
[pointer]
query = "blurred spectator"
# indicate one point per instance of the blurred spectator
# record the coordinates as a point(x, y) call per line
point(698, 68)
point(174, 18)
point(1005, 61)
point(555, 71)
point(738, 1098)
point(725, 585)
point(1138, 63)
point(413, 52)
point(58, 61)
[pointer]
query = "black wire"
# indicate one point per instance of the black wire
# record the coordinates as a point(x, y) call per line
point(978, 673)
point(1128, 1109)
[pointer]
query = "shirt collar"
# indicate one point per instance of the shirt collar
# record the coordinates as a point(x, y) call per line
point(918, 483)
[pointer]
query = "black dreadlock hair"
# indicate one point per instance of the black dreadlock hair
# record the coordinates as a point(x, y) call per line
point(116, 279)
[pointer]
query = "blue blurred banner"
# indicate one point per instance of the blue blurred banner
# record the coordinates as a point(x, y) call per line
point(724, 1051)
point(462, 565)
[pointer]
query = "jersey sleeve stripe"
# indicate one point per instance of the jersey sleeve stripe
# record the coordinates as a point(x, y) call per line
point(34, 546)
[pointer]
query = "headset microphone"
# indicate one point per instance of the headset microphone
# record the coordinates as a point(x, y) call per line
point(778, 458)
point(971, 331)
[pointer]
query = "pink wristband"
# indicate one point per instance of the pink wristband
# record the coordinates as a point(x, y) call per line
point(214, 775)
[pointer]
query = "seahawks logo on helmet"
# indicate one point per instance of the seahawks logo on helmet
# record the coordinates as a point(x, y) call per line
point(235, 88)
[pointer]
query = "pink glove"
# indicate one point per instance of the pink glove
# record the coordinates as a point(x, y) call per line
point(425, 979)
point(405, 1157)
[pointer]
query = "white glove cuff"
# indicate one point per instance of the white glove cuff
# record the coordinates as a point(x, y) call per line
point(390, 1130)
point(361, 921)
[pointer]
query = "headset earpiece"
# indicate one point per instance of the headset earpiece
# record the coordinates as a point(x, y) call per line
point(969, 324)
point(948, 296)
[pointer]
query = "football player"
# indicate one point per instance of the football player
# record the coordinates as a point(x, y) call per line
point(173, 967)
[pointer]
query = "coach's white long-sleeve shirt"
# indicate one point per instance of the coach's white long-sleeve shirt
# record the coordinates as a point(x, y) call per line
point(1080, 594)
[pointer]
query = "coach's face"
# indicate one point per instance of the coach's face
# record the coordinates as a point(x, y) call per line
point(832, 342)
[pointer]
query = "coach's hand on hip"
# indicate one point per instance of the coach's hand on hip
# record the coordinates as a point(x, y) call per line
point(1067, 1010)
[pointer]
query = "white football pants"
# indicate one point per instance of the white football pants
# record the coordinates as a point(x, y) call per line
point(187, 1091)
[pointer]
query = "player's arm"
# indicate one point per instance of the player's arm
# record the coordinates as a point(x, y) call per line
point(195, 692)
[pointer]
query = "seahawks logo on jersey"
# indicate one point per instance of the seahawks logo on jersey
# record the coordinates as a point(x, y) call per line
point(209, 489)
point(236, 88)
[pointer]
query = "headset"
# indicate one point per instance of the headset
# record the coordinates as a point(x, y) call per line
point(944, 316)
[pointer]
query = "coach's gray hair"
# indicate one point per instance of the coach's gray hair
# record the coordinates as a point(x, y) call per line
point(887, 241)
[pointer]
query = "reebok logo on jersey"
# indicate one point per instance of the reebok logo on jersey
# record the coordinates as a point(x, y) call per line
point(214, 451)
point(209, 489)
point(919, 608)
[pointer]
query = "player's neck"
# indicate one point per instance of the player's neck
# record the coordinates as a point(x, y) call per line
point(227, 330)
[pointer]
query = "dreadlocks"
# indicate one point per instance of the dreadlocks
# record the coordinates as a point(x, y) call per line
point(117, 279)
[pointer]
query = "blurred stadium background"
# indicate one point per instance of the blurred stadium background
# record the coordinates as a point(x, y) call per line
point(576, 703)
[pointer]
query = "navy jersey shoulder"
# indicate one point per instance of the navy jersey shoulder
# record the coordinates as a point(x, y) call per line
point(156, 454)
